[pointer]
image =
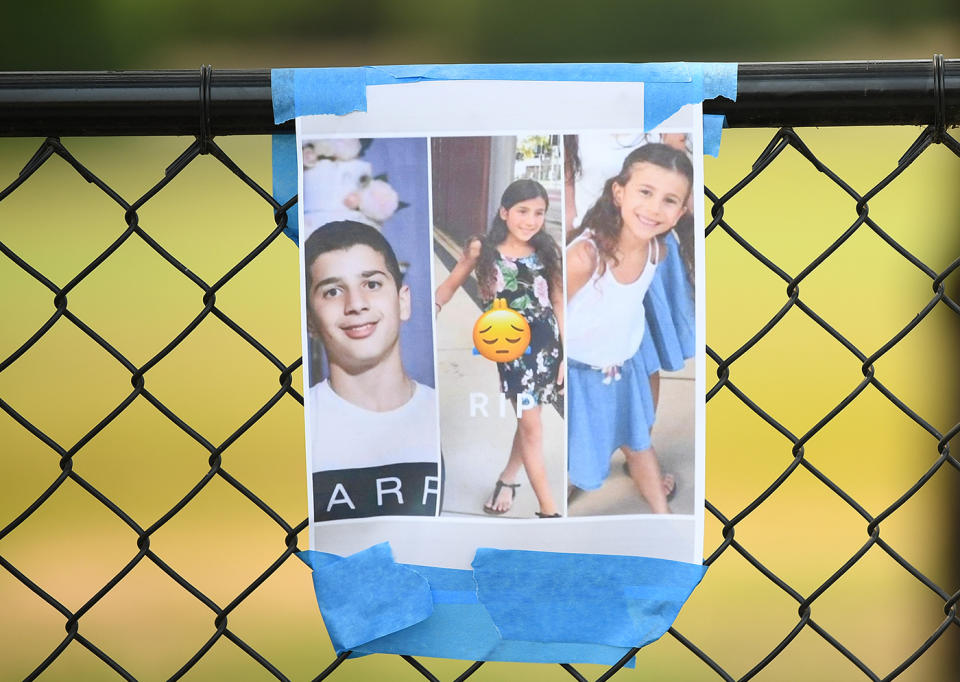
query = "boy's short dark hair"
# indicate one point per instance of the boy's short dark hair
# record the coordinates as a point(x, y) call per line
point(343, 234)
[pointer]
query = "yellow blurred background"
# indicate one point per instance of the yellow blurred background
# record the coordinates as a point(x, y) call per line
point(73, 545)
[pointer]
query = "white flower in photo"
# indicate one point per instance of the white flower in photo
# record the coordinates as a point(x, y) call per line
point(338, 150)
point(542, 291)
point(541, 363)
point(323, 148)
point(346, 149)
point(378, 200)
point(328, 185)
point(498, 283)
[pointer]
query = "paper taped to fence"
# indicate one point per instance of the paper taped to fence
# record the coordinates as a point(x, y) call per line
point(503, 366)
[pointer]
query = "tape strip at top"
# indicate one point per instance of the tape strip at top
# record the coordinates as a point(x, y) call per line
point(304, 92)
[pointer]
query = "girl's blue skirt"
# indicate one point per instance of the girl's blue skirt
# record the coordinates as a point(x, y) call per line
point(605, 416)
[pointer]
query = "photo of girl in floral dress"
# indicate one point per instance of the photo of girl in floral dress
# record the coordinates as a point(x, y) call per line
point(500, 431)
point(522, 283)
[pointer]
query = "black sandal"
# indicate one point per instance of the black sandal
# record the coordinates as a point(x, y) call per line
point(488, 508)
point(549, 516)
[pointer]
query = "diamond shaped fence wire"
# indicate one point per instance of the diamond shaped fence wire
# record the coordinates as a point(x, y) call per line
point(144, 548)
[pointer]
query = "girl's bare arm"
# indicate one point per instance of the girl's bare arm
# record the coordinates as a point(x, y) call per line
point(581, 263)
point(460, 272)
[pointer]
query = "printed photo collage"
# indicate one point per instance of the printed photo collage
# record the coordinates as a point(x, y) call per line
point(500, 327)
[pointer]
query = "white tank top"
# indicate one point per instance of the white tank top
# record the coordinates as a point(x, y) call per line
point(605, 319)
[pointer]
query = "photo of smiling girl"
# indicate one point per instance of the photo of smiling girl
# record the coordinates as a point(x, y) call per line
point(514, 264)
point(630, 276)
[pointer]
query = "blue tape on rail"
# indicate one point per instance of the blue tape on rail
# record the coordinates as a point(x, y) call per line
point(623, 72)
point(513, 606)
point(713, 124)
point(284, 154)
point(304, 92)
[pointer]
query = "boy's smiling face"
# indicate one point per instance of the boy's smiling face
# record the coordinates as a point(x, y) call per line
point(355, 307)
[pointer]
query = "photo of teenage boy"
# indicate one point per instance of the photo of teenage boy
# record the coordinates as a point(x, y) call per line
point(402, 162)
point(373, 429)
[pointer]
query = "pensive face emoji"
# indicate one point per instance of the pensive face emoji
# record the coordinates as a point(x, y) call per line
point(501, 334)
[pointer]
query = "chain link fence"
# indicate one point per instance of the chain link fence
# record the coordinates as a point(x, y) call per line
point(213, 608)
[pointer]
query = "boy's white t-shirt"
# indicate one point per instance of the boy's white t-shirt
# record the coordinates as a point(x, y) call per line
point(345, 436)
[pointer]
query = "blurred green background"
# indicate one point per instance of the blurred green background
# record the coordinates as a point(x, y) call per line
point(60, 34)
point(221, 542)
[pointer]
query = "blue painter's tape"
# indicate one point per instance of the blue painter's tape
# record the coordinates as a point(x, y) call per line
point(282, 89)
point(466, 632)
point(369, 592)
point(667, 72)
point(284, 153)
point(657, 592)
point(300, 92)
point(337, 91)
point(450, 579)
point(454, 630)
point(559, 652)
point(554, 597)
point(662, 100)
point(463, 631)
point(720, 80)
point(367, 595)
point(303, 92)
point(713, 125)
point(454, 596)
point(318, 560)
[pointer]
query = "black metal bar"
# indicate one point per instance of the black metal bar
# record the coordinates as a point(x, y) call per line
point(168, 102)
point(839, 94)
point(133, 103)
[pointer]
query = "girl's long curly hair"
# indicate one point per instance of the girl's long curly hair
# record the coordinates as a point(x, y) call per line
point(544, 245)
point(604, 220)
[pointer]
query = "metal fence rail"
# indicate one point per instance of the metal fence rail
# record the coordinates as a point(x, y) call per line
point(232, 102)
point(162, 103)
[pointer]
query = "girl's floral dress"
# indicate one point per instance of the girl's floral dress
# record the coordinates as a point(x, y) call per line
point(522, 283)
